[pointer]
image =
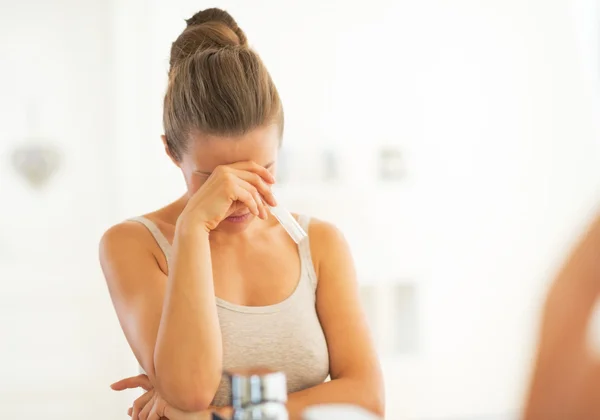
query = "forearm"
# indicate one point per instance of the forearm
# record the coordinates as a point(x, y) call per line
point(188, 352)
point(344, 390)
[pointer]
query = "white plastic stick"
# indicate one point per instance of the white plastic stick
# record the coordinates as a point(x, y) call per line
point(288, 222)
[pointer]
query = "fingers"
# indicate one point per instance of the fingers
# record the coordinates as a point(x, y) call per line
point(152, 416)
point(140, 404)
point(157, 410)
point(140, 381)
point(256, 168)
point(256, 175)
point(145, 412)
point(263, 188)
point(248, 194)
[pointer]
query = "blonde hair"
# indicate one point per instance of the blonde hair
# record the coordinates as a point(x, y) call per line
point(217, 84)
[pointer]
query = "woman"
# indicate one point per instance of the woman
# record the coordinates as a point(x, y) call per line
point(566, 379)
point(211, 281)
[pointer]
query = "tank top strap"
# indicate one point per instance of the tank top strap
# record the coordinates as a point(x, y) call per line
point(159, 237)
point(305, 254)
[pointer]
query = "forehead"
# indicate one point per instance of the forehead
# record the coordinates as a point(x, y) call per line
point(260, 145)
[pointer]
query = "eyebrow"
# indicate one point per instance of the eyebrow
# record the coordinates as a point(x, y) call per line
point(267, 166)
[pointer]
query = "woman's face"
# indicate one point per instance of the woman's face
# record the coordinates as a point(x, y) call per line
point(206, 152)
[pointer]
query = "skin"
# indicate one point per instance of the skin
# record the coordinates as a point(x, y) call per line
point(170, 319)
point(566, 378)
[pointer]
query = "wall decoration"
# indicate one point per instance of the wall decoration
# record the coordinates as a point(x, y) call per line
point(36, 163)
point(36, 159)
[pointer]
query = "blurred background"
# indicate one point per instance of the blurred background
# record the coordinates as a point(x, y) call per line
point(456, 143)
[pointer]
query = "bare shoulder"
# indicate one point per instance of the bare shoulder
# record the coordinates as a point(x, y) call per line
point(324, 233)
point(122, 236)
point(328, 246)
point(125, 246)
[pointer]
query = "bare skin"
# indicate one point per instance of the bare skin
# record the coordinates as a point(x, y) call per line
point(566, 379)
point(170, 319)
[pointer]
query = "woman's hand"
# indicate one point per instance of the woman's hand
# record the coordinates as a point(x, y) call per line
point(150, 406)
point(147, 407)
point(229, 189)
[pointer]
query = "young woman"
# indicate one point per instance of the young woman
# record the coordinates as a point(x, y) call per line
point(211, 281)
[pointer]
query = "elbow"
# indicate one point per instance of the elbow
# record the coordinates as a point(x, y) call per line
point(374, 400)
point(377, 404)
point(190, 401)
point(190, 394)
point(187, 389)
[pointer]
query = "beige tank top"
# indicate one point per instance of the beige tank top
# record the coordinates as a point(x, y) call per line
point(286, 336)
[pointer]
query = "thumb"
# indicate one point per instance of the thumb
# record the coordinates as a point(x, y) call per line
point(140, 381)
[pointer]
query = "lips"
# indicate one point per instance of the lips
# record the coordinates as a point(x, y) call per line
point(242, 218)
point(238, 215)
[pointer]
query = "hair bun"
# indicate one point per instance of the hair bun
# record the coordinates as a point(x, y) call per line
point(217, 16)
point(208, 29)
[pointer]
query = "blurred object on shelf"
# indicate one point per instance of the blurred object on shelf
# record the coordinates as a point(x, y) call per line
point(330, 165)
point(391, 164)
point(391, 309)
point(323, 164)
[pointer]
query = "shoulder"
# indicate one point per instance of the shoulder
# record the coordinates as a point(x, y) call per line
point(125, 232)
point(123, 239)
point(325, 233)
point(328, 245)
point(130, 257)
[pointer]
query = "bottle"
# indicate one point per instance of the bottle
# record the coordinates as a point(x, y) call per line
point(258, 394)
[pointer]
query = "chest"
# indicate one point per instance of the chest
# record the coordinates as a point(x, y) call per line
point(259, 275)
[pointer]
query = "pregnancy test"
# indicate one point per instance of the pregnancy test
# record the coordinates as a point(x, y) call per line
point(289, 223)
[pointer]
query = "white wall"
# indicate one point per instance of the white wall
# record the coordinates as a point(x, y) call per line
point(508, 171)
point(57, 327)
point(490, 101)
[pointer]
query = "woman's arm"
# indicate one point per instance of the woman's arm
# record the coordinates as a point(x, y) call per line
point(354, 367)
point(566, 378)
point(170, 322)
point(188, 353)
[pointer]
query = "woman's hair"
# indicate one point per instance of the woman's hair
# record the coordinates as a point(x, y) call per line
point(217, 84)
